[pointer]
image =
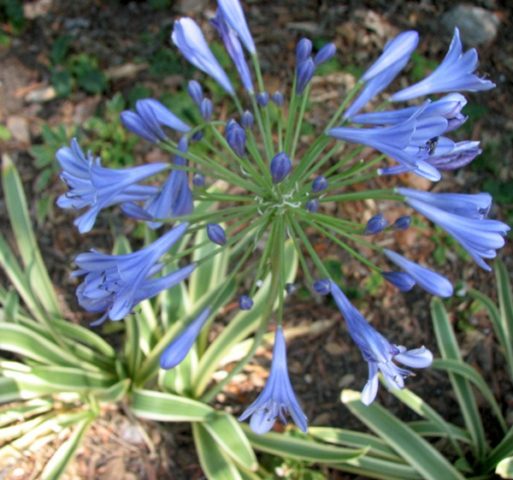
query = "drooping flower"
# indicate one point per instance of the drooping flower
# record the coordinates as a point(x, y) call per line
point(382, 72)
point(464, 218)
point(377, 351)
point(277, 398)
point(115, 284)
point(91, 185)
point(234, 15)
point(455, 73)
point(190, 41)
point(178, 349)
point(461, 155)
point(149, 117)
point(432, 282)
point(234, 48)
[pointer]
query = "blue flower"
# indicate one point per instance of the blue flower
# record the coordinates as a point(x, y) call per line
point(377, 351)
point(216, 234)
point(303, 50)
point(236, 137)
point(449, 107)
point(464, 218)
point(430, 281)
point(115, 284)
point(277, 398)
point(396, 54)
point(461, 155)
point(455, 73)
point(234, 49)
point(234, 16)
point(402, 223)
point(305, 72)
point(178, 349)
point(149, 117)
point(245, 302)
point(190, 41)
point(319, 184)
point(91, 185)
point(406, 142)
point(376, 224)
point(402, 280)
point(195, 91)
point(325, 53)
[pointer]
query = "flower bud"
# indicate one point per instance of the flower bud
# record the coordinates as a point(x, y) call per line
point(245, 302)
point(402, 223)
point(319, 184)
point(198, 180)
point(247, 119)
point(376, 224)
point(195, 92)
point(325, 53)
point(206, 108)
point(262, 99)
point(236, 137)
point(216, 233)
point(312, 205)
point(305, 73)
point(277, 98)
point(402, 280)
point(280, 167)
point(303, 50)
point(322, 287)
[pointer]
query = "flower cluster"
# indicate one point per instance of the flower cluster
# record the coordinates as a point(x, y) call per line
point(274, 187)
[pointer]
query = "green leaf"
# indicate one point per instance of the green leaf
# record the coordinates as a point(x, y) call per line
point(25, 239)
point(370, 467)
point(504, 449)
point(462, 389)
point(421, 455)
point(228, 435)
point(215, 464)
point(114, 393)
point(65, 453)
point(23, 341)
point(166, 407)
point(469, 373)
point(506, 307)
point(350, 438)
point(505, 468)
point(498, 326)
point(10, 414)
point(426, 428)
point(303, 449)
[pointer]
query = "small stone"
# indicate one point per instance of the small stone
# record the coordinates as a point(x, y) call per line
point(477, 25)
point(19, 128)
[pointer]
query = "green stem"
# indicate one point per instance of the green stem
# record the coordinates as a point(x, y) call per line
point(299, 121)
point(384, 194)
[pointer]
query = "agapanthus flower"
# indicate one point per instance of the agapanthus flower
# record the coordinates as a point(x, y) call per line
point(382, 72)
point(234, 48)
point(148, 119)
point(178, 349)
point(376, 224)
point(377, 351)
point(216, 233)
point(464, 218)
point(425, 278)
point(95, 187)
point(280, 167)
point(277, 398)
point(115, 284)
point(455, 73)
point(190, 41)
point(234, 15)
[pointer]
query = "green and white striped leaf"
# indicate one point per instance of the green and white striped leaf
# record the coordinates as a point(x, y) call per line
point(15, 413)
point(214, 462)
point(506, 309)
point(349, 438)
point(421, 455)
point(228, 435)
point(65, 453)
point(17, 209)
point(114, 393)
point(473, 376)
point(449, 349)
point(303, 449)
point(166, 407)
point(367, 466)
point(505, 468)
point(426, 428)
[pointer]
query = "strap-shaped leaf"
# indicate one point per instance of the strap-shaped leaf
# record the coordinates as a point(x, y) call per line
point(114, 393)
point(421, 455)
point(426, 428)
point(23, 411)
point(166, 407)
point(350, 438)
point(215, 463)
point(506, 308)
point(228, 435)
point(371, 467)
point(303, 449)
point(472, 375)
point(25, 238)
point(504, 449)
point(65, 453)
point(23, 341)
point(462, 389)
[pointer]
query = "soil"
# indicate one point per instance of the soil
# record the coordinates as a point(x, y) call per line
point(325, 361)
